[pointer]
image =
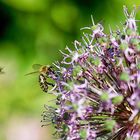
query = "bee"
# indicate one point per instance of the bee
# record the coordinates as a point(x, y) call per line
point(44, 71)
point(1, 70)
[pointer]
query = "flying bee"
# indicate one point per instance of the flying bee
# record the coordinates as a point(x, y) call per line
point(1, 70)
point(44, 71)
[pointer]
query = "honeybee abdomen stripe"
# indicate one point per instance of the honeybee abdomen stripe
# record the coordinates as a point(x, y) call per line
point(43, 83)
point(42, 78)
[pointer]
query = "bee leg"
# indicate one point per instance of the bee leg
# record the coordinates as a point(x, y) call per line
point(50, 84)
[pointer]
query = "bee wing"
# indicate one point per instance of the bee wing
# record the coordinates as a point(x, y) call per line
point(31, 73)
point(36, 66)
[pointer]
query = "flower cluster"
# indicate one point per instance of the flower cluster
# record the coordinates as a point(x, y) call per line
point(98, 85)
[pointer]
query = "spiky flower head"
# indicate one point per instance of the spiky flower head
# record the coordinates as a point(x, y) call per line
point(98, 85)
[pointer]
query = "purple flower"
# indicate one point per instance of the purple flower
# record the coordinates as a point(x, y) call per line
point(98, 85)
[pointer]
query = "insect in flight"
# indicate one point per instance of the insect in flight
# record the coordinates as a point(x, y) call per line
point(43, 71)
point(1, 70)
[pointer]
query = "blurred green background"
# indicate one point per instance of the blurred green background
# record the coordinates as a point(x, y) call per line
point(33, 31)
